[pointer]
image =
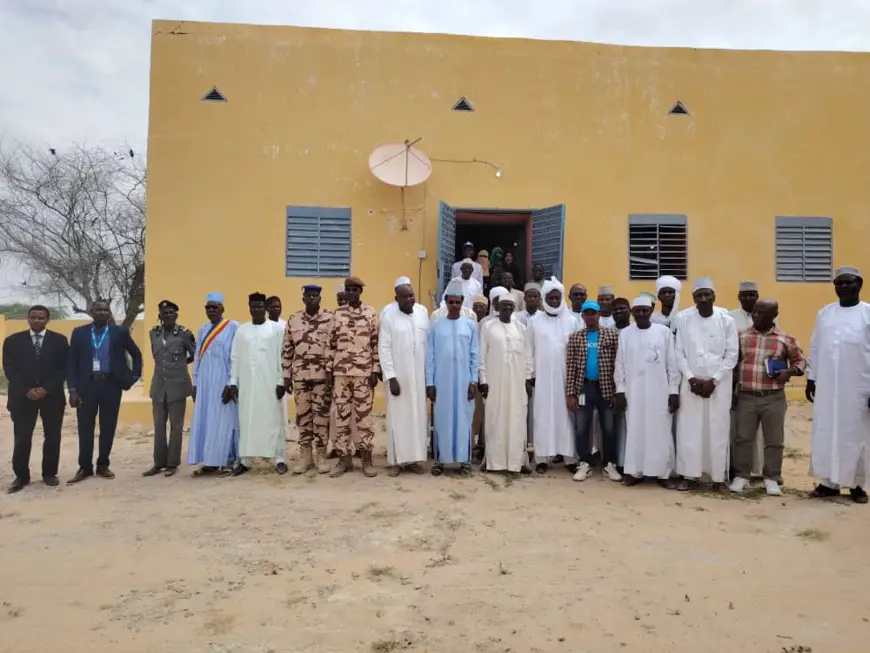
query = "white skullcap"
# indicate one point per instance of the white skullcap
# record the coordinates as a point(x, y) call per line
point(847, 269)
point(704, 283)
point(498, 291)
point(643, 300)
point(401, 281)
point(747, 286)
point(454, 289)
point(668, 282)
point(606, 290)
point(507, 298)
point(466, 260)
point(550, 285)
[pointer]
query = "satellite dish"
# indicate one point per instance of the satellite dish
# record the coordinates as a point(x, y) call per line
point(400, 164)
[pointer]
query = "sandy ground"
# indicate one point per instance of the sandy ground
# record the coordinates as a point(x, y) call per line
point(484, 564)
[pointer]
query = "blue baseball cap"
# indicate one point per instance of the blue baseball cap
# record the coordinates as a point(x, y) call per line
point(590, 306)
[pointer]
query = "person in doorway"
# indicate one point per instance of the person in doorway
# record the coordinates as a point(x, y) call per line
point(471, 287)
point(706, 352)
point(304, 354)
point(532, 300)
point(622, 313)
point(668, 293)
point(214, 432)
point(747, 295)
point(468, 254)
point(507, 282)
point(768, 359)
point(173, 348)
point(647, 394)
point(481, 310)
point(546, 341)
point(451, 377)
point(441, 312)
point(35, 366)
point(838, 384)
point(605, 301)
point(502, 384)
point(402, 354)
point(274, 309)
point(483, 261)
point(480, 306)
point(353, 370)
point(510, 265)
point(97, 376)
point(537, 281)
point(257, 384)
point(590, 359)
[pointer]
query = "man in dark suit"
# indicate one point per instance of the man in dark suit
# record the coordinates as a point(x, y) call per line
point(35, 364)
point(97, 376)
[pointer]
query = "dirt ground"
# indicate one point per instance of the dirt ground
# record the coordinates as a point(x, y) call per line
point(485, 564)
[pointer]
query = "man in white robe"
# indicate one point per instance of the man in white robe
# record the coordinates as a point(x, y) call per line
point(706, 352)
point(471, 287)
point(647, 390)
point(257, 384)
point(402, 350)
point(503, 386)
point(747, 295)
point(468, 255)
point(546, 341)
point(668, 292)
point(838, 384)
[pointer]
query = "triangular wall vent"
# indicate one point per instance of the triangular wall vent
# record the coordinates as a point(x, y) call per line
point(214, 95)
point(463, 104)
point(679, 110)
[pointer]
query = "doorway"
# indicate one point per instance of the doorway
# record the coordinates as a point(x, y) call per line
point(510, 231)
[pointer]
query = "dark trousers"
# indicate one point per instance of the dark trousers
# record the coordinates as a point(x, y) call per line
point(103, 399)
point(583, 433)
point(167, 455)
point(769, 410)
point(24, 417)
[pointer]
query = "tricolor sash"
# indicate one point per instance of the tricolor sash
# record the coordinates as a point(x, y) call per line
point(214, 333)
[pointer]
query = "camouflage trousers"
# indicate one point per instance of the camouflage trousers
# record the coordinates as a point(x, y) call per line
point(312, 412)
point(354, 399)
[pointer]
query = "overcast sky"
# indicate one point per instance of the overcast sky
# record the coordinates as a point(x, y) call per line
point(77, 70)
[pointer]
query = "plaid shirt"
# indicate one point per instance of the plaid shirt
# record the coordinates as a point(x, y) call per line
point(756, 348)
point(575, 364)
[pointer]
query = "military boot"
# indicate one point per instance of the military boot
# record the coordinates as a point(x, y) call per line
point(305, 461)
point(345, 464)
point(320, 461)
point(368, 467)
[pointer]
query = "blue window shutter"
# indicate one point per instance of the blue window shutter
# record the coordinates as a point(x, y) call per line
point(446, 246)
point(658, 245)
point(318, 242)
point(548, 228)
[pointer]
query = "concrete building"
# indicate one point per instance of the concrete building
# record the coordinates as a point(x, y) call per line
point(610, 164)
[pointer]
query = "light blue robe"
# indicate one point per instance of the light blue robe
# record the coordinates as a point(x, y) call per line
point(451, 364)
point(214, 433)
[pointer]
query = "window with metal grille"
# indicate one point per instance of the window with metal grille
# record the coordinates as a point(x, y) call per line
point(318, 242)
point(804, 249)
point(657, 246)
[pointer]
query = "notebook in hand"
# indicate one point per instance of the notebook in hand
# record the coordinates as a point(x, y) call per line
point(775, 366)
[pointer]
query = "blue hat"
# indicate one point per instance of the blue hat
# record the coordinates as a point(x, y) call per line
point(590, 306)
point(215, 297)
point(312, 287)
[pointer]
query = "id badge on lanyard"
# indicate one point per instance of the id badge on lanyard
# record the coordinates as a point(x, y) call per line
point(97, 345)
point(96, 364)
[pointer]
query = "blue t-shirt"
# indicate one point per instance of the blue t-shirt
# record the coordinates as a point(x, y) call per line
point(592, 355)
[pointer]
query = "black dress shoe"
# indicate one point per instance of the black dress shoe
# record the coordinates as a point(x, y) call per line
point(858, 495)
point(281, 468)
point(170, 471)
point(154, 471)
point(17, 485)
point(80, 475)
point(238, 470)
point(105, 472)
point(824, 492)
point(50, 481)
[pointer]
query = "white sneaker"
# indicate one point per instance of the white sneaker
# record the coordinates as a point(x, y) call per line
point(612, 473)
point(772, 488)
point(738, 485)
point(582, 472)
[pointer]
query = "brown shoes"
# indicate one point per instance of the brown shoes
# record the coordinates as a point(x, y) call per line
point(320, 462)
point(306, 461)
point(368, 467)
point(344, 465)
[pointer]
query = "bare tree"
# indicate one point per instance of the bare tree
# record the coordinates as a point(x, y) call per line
point(76, 219)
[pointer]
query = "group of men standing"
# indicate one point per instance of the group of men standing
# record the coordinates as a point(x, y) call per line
point(675, 391)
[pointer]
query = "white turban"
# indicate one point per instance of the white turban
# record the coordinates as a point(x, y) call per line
point(401, 281)
point(643, 300)
point(498, 291)
point(507, 297)
point(673, 283)
point(549, 286)
point(705, 283)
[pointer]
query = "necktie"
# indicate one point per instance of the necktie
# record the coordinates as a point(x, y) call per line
point(37, 344)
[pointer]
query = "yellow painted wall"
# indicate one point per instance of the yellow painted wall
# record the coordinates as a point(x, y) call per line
point(770, 134)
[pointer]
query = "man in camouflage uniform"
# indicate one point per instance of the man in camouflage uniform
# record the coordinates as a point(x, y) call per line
point(306, 343)
point(353, 371)
point(173, 347)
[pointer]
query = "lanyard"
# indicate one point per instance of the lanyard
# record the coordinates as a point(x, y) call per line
point(94, 342)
